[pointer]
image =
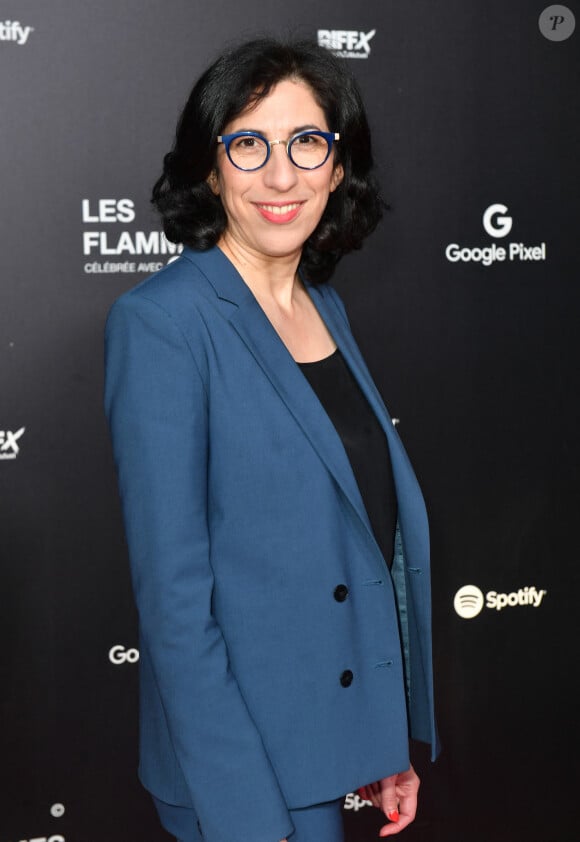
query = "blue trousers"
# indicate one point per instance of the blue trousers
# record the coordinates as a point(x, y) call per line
point(319, 823)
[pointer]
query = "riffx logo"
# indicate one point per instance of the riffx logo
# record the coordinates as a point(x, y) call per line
point(9, 447)
point(12, 30)
point(346, 43)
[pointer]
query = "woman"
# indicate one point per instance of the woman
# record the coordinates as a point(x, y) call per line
point(265, 491)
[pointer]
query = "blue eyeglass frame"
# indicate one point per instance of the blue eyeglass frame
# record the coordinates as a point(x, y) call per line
point(227, 139)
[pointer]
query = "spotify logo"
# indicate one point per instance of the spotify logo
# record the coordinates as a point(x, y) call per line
point(468, 601)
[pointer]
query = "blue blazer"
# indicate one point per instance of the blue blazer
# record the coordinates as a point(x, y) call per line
point(261, 688)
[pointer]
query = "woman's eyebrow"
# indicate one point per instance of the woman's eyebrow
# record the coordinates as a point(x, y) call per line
point(291, 133)
point(305, 128)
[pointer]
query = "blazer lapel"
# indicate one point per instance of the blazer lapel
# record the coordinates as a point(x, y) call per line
point(412, 513)
point(344, 339)
point(256, 331)
point(271, 354)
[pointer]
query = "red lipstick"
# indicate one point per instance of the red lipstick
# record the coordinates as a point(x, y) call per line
point(279, 212)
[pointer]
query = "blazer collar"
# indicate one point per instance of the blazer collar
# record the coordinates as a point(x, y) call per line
point(221, 274)
point(256, 331)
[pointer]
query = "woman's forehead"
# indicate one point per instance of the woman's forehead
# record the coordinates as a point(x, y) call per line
point(288, 107)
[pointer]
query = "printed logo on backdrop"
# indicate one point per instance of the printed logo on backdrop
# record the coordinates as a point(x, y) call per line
point(353, 801)
point(469, 601)
point(14, 31)
point(56, 811)
point(557, 23)
point(346, 43)
point(9, 446)
point(497, 224)
point(119, 655)
point(113, 248)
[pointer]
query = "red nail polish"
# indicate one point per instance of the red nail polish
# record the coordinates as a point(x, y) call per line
point(393, 815)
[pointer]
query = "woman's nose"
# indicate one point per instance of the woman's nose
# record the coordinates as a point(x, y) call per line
point(280, 173)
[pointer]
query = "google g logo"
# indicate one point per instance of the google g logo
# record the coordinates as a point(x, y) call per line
point(495, 225)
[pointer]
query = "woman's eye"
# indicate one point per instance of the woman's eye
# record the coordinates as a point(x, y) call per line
point(308, 139)
point(245, 142)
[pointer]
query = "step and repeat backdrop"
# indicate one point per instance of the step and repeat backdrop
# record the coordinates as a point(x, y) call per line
point(465, 302)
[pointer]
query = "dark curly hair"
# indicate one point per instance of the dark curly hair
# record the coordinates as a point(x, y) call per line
point(193, 215)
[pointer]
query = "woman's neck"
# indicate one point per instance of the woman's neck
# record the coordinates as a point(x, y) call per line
point(273, 279)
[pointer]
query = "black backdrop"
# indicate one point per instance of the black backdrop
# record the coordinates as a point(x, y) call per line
point(472, 105)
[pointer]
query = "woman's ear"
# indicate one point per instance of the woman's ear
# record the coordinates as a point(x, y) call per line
point(337, 176)
point(213, 182)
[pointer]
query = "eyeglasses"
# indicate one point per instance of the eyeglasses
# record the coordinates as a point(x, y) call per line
point(250, 151)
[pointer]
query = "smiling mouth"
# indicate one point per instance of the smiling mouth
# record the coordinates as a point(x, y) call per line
point(280, 210)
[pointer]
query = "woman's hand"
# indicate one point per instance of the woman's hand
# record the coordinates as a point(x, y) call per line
point(396, 796)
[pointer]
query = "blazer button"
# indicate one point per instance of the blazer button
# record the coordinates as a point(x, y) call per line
point(346, 678)
point(340, 593)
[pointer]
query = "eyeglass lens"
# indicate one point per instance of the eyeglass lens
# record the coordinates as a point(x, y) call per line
point(307, 151)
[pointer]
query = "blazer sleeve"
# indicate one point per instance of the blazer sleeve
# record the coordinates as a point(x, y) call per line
point(156, 405)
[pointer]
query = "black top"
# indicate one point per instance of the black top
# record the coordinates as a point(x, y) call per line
point(364, 441)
